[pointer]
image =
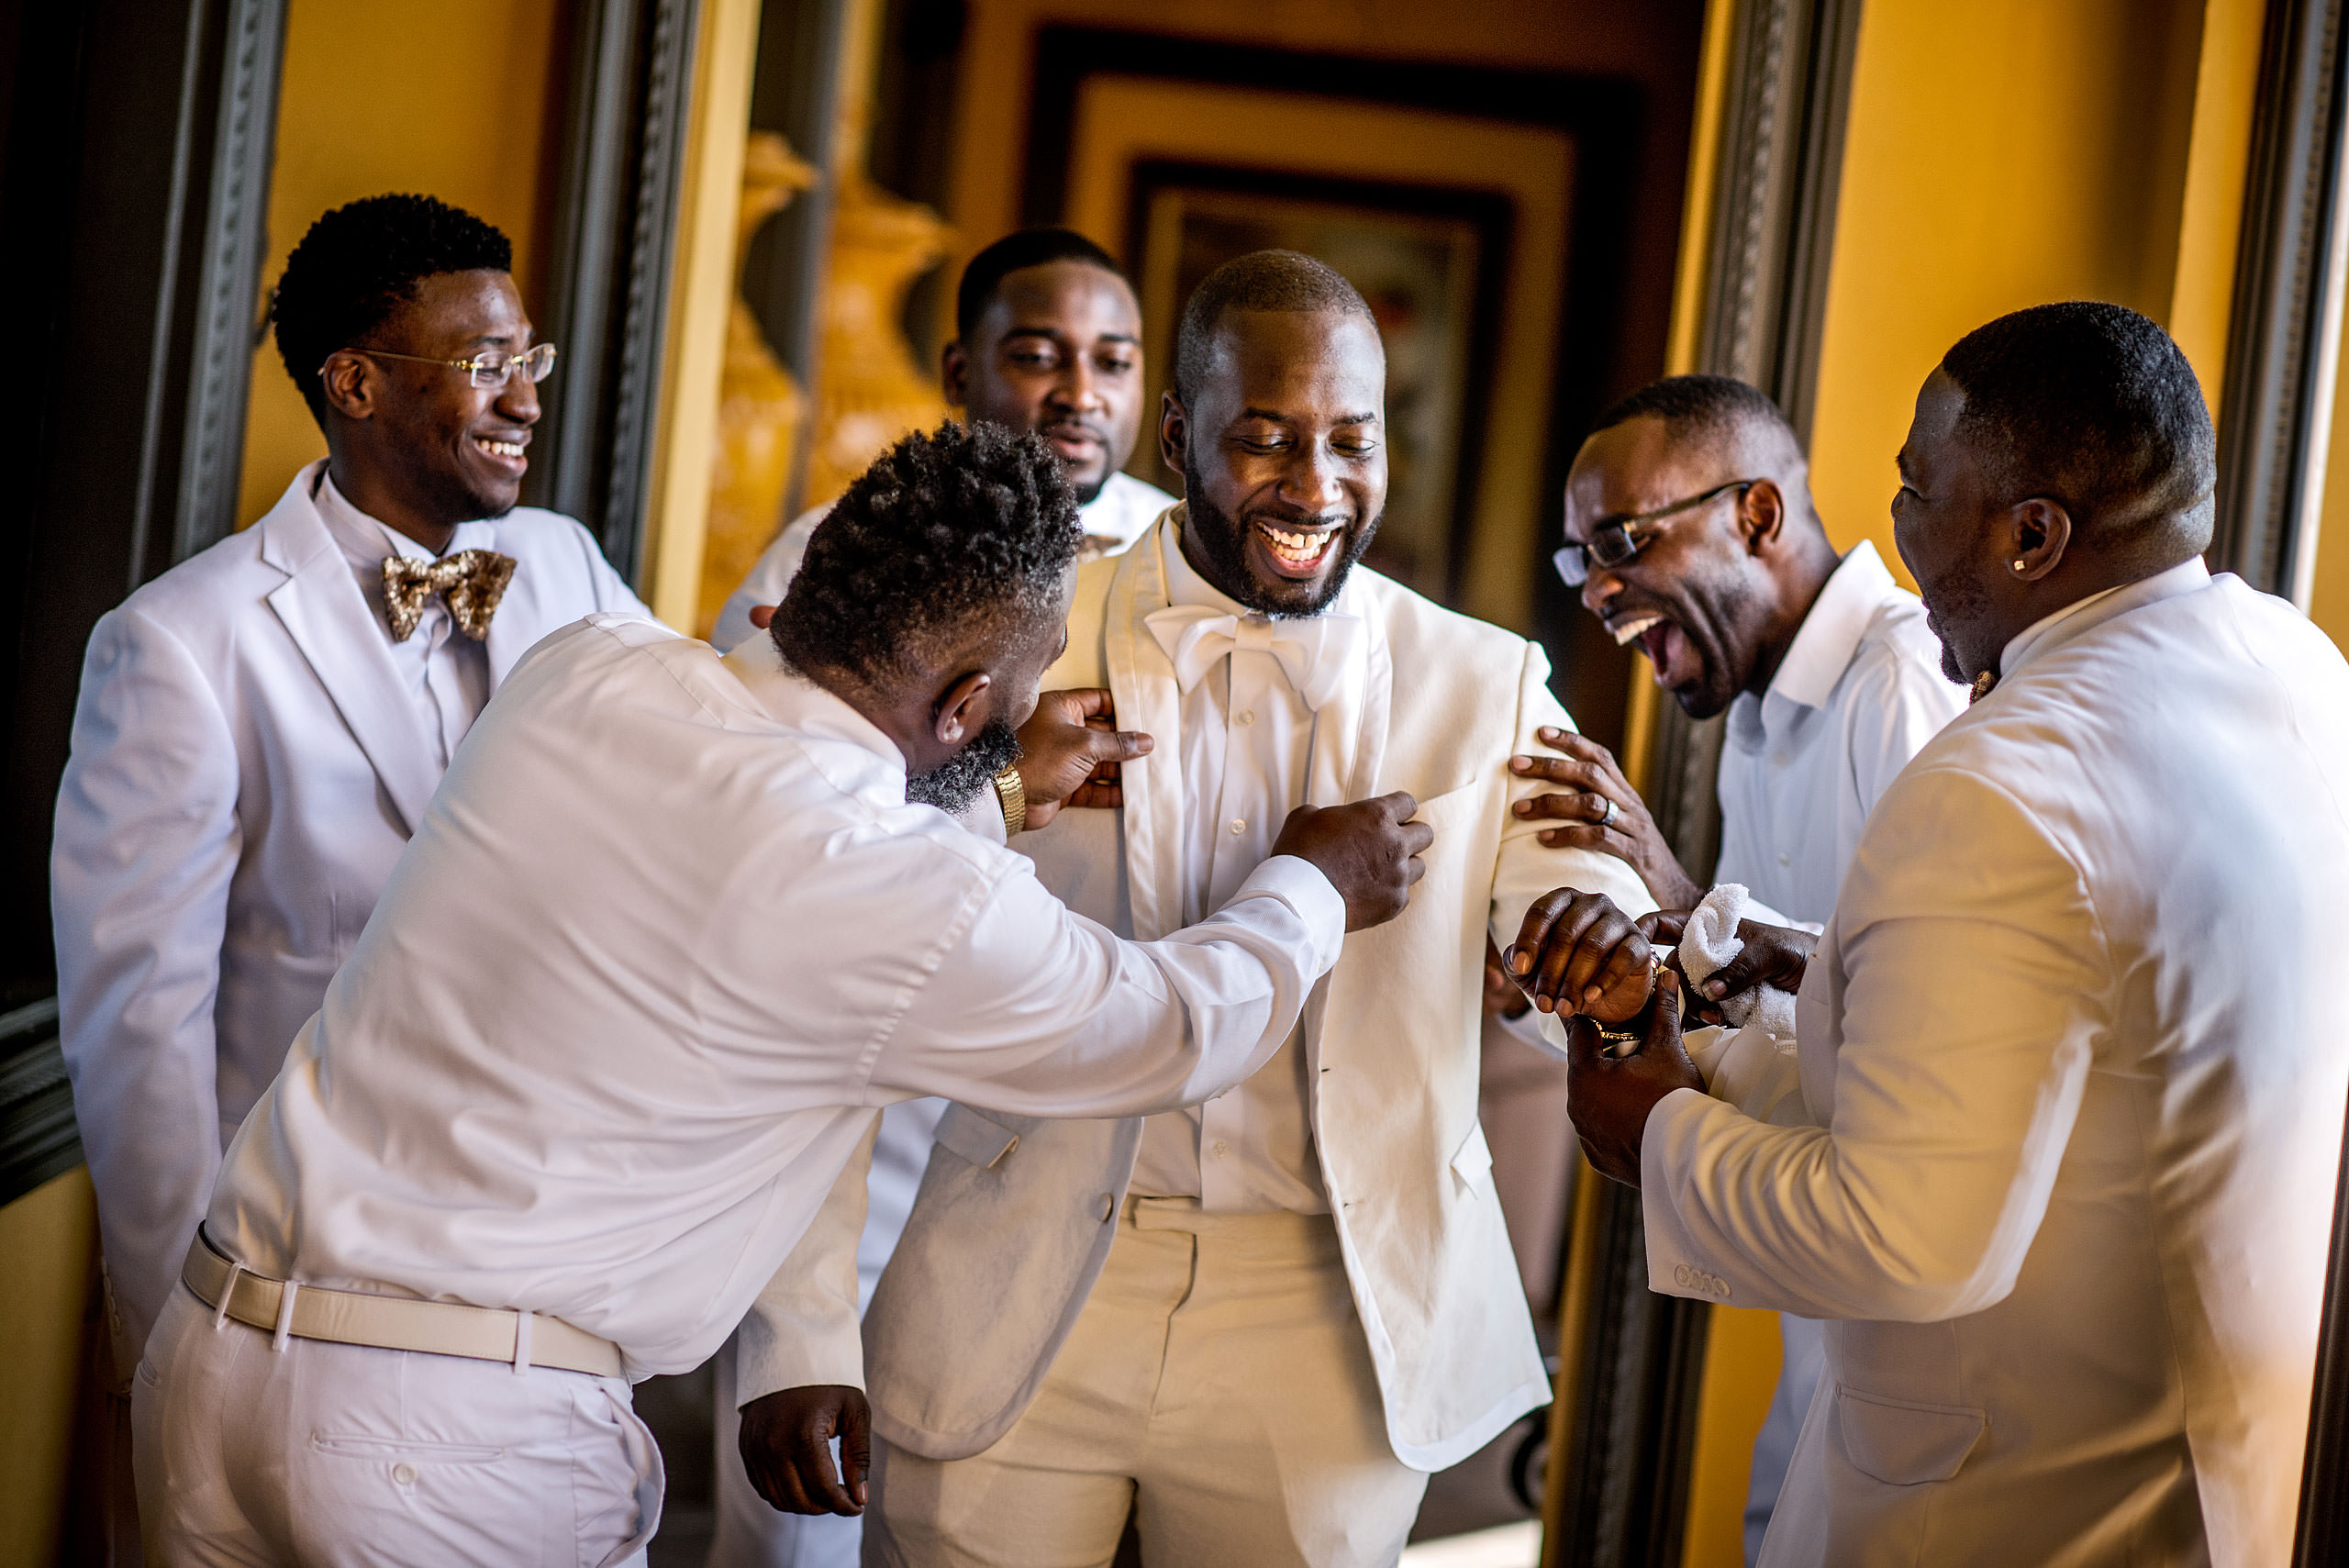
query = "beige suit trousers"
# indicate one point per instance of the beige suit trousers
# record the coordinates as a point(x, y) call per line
point(1216, 1384)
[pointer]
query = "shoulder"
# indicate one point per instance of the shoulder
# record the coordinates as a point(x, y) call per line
point(529, 531)
point(202, 596)
point(1413, 623)
point(1897, 665)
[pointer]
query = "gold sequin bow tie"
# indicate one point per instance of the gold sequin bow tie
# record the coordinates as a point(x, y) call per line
point(471, 581)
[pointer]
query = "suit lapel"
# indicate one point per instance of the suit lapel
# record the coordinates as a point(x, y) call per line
point(1143, 685)
point(321, 609)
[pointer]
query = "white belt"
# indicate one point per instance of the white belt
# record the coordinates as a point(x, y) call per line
point(392, 1322)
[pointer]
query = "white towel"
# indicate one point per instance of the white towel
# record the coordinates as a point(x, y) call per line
point(1708, 943)
point(1750, 1064)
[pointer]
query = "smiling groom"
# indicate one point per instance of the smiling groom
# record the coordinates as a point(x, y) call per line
point(261, 727)
point(1255, 1324)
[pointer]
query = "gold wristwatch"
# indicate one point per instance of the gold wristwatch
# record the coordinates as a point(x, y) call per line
point(1011, 793)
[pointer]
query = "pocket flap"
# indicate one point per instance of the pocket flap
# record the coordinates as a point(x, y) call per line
point(1473, 1162)
point(1905, 1443)
point(971, 1135)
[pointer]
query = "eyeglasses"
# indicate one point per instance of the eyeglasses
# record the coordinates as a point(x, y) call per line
point(1612, 544)
point(488, 369)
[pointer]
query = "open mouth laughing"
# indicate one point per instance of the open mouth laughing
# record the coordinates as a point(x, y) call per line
point(1665, 645)
point(1296, 552)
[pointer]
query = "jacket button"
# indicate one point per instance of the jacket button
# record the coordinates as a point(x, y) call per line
point(1109, 1206)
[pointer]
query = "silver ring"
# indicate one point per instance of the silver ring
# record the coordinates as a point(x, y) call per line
point(1613, 811)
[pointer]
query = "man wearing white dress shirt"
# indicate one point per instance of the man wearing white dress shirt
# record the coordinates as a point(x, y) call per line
point(2071, 1051)
point(672, 930)
point(261, 727)
point(1690, 527)
point(1048, 339)
point(1301, 1298)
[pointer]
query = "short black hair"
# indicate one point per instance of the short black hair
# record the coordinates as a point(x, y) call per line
point(1261, 279)
point(971, 521)
point(1017, 251)
point(358, 264)
point(2091, 406)
point(1712, 406)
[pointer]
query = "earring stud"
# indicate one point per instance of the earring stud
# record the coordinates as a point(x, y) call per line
point(2021, 564)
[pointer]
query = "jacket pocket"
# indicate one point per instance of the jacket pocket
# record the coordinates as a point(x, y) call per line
point(1472, 1166)
point(1903, 1444)
point(972, 1137)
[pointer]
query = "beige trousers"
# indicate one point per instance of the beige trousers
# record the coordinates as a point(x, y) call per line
point(1216, 1384)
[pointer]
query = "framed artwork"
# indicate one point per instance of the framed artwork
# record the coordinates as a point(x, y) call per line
point(1425, 258)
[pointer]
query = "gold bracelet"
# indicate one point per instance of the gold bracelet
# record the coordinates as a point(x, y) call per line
point(1011, 793)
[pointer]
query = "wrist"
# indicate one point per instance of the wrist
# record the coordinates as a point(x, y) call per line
point(1011, 793)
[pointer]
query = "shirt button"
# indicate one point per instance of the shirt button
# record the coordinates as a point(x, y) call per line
point(1109, 1206)
point(1785, 858)
point(1222, 1148)
point(404, 1473)
point(1778, 760)
point(1248, 716)
point(1238, 825)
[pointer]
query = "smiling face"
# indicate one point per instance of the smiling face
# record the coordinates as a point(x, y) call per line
point(1693, 598)
point(1283, 453)
point(1058, 352)
point(1942, 521)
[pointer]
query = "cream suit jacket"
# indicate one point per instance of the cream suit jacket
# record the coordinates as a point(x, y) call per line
point(1013, 1219)
point(2073, 1051)
point(245, 770)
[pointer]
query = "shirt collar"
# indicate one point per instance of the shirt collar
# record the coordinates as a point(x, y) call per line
point(1829, 637)
point(2085, 614)
point(807, 710)
point(365, 541)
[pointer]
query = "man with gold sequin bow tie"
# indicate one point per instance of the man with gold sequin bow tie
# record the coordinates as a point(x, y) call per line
point(262, 727)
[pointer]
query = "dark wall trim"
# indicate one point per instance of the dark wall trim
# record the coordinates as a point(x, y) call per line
point(623, 159)
point(2275, 352)
point(38, 1137)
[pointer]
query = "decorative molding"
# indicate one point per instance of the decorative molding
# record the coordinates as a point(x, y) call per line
point(2284, 330)
point(623, 157)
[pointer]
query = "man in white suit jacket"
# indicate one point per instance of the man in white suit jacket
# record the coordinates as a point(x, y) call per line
point(2072, 1054)
point(1259, 1326)
point(257, 739)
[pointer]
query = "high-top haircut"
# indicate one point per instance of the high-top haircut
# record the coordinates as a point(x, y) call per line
point(360, 262)
point(2094, 406)
point(966, 523)
point(1710, 408)
point(1261, 279)
point(1017, 251)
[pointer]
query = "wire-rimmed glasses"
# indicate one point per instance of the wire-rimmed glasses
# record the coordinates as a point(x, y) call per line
point(490, 370)
point(1612, 543)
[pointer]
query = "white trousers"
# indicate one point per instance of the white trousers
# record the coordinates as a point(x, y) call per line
point(1804, 1344)
point(1216, 1384)
point(327, 1455)
point(750, 1533)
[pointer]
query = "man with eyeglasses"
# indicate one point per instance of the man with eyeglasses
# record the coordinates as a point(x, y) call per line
point(261, 727)
point(1690, 529)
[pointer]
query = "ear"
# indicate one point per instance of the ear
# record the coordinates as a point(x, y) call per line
point(1174, 432)
point(963, 707)
point(954, 374)
point(1761, 514)
point(350, 382)
point(2038, 533)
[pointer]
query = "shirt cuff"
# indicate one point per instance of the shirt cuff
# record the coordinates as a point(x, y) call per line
point(1299, 883)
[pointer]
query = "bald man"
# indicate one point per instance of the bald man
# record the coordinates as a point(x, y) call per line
point(1690, 528)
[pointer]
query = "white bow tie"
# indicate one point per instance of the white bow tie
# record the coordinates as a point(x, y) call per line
point(1320, 654)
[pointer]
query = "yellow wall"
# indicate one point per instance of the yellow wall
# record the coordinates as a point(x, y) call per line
point(49, 1237)
point(446, 98)
point(1999, 154)
point(2329, 604)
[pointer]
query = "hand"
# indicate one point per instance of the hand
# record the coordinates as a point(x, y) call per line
point(786, 1447)
point(1589, 768)
point(1609, 1096)
point(1069, 750)
point(1771, 955)
point(1368, 849)
point(1575, 952)
point(1503, 996)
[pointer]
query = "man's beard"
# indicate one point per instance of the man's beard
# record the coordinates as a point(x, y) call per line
point(1957, 597)
point(956, 781)
point(1222, 539)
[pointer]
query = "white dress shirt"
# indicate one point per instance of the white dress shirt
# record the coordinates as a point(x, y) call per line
point(1246, 734)
point(1859, 692)
point(1112, 521)
point(615, 1030)
point(444, 672)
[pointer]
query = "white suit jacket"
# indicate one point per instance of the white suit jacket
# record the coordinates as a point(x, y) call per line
point(2073, 1052)
point(1015, 1212)
point(245, 770)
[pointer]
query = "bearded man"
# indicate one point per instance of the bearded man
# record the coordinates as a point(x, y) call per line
point(1255, 1327)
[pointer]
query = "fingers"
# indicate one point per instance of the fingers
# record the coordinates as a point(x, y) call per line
point(1399, 806)
point(1664, 1027)
point(1663, 928)
point(856, 1444)
point(1417, 836)
point(1089, 702)
point(1117, 745)
point(1534, 929)
point(1582, 749)
point(1585, 806)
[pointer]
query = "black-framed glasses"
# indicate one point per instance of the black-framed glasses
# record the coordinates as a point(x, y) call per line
point(1613, 542)
point(491, 369)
